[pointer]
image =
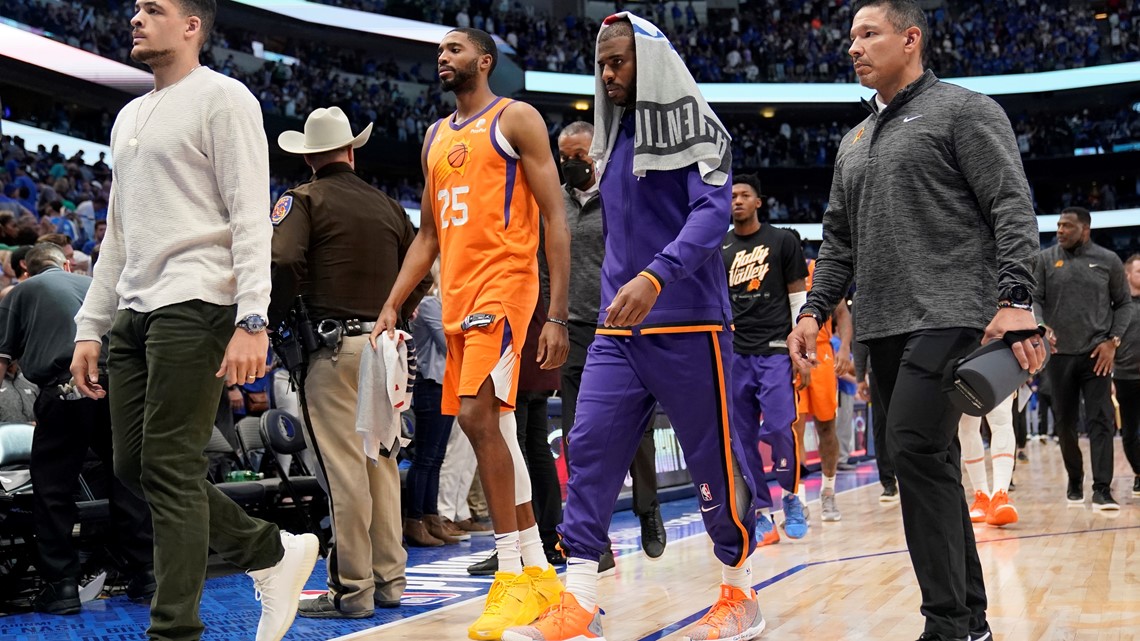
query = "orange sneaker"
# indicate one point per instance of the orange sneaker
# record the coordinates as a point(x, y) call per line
point(561, 622)
point(1001, 511)
point(734, 617)
point(980, 508)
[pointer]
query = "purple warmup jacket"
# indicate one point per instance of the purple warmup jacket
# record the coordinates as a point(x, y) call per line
point(669, 225)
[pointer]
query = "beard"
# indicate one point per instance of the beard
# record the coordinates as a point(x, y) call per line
point(152, 57)
point(461, 78)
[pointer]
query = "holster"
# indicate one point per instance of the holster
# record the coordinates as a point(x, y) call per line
point(295, 340)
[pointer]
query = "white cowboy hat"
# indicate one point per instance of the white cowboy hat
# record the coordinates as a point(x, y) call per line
point(325, 130)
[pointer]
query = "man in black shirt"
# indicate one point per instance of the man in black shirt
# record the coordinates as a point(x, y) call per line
point(37, 328)
point(766, 282)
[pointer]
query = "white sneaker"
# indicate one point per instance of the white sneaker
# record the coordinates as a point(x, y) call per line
point(279, 587)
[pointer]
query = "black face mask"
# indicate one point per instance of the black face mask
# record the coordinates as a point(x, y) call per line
point(578, 173)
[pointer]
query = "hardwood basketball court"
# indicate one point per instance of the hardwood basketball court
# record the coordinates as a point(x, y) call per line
point(1061, 574)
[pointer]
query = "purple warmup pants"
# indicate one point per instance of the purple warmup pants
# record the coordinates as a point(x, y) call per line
point(763, 385)
point(624, 378)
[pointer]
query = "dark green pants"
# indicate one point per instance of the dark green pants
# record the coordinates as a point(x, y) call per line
point(163, 399)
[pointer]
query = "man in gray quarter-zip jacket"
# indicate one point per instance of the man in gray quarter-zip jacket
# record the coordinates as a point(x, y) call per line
point(930, 213)
point(1082, 297)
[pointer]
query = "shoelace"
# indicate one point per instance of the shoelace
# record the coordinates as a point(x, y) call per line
point(495, 606)
point(794, 509)
point(653, 522)
point(259, 588)
point(720, 612)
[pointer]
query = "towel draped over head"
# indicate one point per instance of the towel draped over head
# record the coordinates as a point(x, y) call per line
point(674, 125)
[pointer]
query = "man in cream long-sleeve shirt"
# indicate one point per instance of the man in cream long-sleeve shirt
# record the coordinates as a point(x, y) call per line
point(186, 254)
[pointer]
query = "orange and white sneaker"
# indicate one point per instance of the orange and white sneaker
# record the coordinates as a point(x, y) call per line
point(734, 617)
point(565, 621)
point(1001, 511)
point(511, 601)
point(980, 508)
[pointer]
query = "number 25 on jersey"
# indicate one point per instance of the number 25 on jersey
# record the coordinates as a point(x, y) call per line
point(451, 200)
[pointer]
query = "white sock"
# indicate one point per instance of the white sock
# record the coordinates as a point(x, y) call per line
point(738, 577)
point(510, 552)
point(766, 513)
point(828, 484)
point(1003, 444)
point(532, 553)
point(582, 582)
point(974, 453)
point(801, 492)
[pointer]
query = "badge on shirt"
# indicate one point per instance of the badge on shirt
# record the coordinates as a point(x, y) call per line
point(281, 210)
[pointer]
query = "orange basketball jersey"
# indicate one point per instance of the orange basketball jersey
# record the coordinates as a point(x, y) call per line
point(487, 220)
point(824, 331)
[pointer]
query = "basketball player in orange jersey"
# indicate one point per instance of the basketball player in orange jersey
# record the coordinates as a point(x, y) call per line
point(489, 173)
point(819, 398)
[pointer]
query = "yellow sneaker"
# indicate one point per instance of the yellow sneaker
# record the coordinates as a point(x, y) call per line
point(547, 587)
point(512, 601)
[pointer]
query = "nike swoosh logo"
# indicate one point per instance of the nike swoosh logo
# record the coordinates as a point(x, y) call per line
point(710, 509)
point(1093, 265)
point(910, 118)
point(725, 246)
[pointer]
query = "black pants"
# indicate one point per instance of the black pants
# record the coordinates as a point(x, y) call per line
point(644, 468)
point(546, 494)
point(432, 431)
point(1020, 426)
point(1128, 395)
point(879, 434)
point(922, 438)
point(64, 432)
point(1072, 378)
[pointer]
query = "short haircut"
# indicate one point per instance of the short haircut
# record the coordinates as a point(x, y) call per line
point(575, 128)
point(748, 179)
point(483, 42)
point(205, 10)
point(1081, 213)
point(1134, 258)
point(902, 14)
point(323, 158)
point(101, 221)
point(44, 256)
point(20, 254)
point(621, 28)
point(59, 240)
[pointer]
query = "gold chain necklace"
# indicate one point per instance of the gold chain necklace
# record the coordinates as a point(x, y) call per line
point(134, 141)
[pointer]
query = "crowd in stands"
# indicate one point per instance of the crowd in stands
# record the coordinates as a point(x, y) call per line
point(325, 75)
point(43, 192)
point(805, 40)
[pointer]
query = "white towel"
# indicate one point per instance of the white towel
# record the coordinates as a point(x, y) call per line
point(383, 392)
point(676, 127)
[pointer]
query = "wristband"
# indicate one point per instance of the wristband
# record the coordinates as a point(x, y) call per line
point(808, 313)
point(557, 321)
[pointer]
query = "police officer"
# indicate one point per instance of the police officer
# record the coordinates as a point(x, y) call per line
point(339, 243)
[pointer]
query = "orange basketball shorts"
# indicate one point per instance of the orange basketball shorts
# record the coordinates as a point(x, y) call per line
point(476, 355)
point(821, 397)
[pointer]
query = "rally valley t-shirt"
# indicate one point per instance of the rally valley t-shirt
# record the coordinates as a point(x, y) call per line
point(760, 266)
